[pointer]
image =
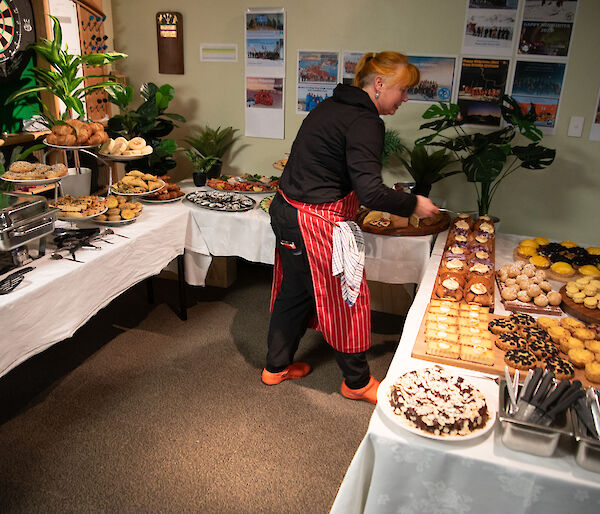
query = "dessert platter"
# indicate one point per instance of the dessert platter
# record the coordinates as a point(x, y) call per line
point(120, 211)
point(562, 261)
point(122, 149)
point(433, 403)
point(79, 207)
point(24, 172)
point(383, 223)
point(221, 201)
point(76, 134)
point(581, 299)
point(137, 183)
point(247, 184)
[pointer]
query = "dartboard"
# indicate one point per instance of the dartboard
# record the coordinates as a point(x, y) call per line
point(16, 32)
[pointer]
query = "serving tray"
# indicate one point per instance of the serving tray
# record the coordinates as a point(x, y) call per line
point(577, 310)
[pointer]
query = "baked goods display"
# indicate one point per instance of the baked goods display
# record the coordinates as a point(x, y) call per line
point(437, 403)
point(564, 260)
point(119, 210)
point(71, 207)
point(121, 147)
point(245, 184)
point(27, 171)
point(137, 183)
point(77, 133)
point(170, 192)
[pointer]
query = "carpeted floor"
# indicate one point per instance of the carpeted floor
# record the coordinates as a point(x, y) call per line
point(141, 412)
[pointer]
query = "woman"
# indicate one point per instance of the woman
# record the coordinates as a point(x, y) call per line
point(334, 165)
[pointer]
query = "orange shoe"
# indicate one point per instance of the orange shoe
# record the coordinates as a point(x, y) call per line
point(367, 393)
point(295, 370)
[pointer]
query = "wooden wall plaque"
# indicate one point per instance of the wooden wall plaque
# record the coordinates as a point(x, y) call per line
point(169, 34)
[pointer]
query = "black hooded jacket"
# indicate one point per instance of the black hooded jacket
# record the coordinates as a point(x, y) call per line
point(337, 150)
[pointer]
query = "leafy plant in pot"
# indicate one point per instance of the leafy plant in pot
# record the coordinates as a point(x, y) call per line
point(150, 121)
point(207, 146)
point(62, 78)
point(487, 159)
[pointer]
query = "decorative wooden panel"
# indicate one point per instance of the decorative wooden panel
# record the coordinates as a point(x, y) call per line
point(169, 34)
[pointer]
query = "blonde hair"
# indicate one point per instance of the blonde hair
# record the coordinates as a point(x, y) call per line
point(393, 65)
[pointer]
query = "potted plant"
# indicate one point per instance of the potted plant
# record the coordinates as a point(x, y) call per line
point(61, 79)
point(487, 159)
point(392, 145)
point(206, 149)
point(427, 168)
point(150, 121)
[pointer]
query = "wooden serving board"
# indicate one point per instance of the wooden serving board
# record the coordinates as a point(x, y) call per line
point(392, 230)
point(577, 310)
point(529, 307)
point(419, 351)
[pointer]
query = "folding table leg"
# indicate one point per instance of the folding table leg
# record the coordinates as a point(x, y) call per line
point(181, 279)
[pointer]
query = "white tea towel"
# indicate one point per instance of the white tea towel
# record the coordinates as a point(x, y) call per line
point(348, 258)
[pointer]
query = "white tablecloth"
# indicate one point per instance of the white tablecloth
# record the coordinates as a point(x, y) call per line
point(393, 260)
point(397, 471)
point(58, 297)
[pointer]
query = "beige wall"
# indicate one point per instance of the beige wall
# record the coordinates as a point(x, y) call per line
point(561, 202)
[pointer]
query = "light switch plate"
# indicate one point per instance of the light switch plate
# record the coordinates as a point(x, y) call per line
point(576, 126)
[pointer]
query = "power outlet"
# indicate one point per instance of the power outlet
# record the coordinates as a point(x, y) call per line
point(576, 126)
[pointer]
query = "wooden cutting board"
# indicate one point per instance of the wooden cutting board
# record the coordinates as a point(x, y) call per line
point(577, 310)
point(393, 230)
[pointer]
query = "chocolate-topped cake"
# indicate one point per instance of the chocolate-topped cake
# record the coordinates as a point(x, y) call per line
point(437, 402)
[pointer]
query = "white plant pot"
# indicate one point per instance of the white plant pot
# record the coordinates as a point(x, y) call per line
point(77, 184)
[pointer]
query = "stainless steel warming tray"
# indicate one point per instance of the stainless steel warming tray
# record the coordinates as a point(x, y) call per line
point(24, 218)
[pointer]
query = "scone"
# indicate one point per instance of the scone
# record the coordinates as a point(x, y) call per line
point(580, 357)
point(592, 372)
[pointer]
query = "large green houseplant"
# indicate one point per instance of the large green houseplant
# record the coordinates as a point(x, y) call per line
point(426, 168)
point(488, 158)
point(62, 79)
point(150, 121)
point(207, 146)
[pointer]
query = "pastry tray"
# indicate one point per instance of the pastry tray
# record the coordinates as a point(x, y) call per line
point(529, 307)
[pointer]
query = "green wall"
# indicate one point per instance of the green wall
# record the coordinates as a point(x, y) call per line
point(561, 202)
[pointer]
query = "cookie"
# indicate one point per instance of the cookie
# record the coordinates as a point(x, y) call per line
point(592, 372)
point(511, 342)
point(562, 368)
point(522, 319)
point(542, 349)
point(580, 357)
point(502, 326)
point(520, 359)
point(534, 333)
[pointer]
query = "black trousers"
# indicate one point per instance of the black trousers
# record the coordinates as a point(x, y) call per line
point(295, 303)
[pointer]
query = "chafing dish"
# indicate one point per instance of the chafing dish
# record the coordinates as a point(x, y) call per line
point(530, 437)
point(24, 219)
point(588, 448)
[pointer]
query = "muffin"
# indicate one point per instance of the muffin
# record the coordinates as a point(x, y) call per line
point(580, 357)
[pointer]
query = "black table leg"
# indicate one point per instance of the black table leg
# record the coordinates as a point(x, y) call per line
point(181, 279)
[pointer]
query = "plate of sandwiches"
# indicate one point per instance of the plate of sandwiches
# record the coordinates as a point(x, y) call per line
point(79, 207)
point(34, 173)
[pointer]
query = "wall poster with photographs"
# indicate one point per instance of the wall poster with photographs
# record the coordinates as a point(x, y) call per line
point(490, 27)
point(539, 83)
point(547, 27)
point(265, 72)
point(437, 78)
point(317, 77)
point(481, 86)
point(349, 62)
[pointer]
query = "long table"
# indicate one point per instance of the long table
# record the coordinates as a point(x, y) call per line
point(59, 296)
point(396, 471)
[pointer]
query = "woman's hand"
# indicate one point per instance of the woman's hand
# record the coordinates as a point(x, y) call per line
point(425, 207)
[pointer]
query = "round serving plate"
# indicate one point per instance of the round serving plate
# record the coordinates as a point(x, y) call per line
point(75, 147)
point(34, 182)
point(488, 388)
point(223, 197)
point(85, 218)
point(138, 194)
point(122, 158)
point(170, 200)
point(116, 223)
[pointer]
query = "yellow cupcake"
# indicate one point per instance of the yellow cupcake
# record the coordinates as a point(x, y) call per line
point(541, 240)
point(592, 371)
point(590, 270)
point(568, 244)
point(526, 251)
point(593, 250)
point(592, 346)
point(562, 268)
point(545, 322)
point(568, 343)
point(579, 357)
point(558, 333)
point(529, 242)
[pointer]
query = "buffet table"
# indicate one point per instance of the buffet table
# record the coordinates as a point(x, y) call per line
point(393, 260)
point(59, 296)
point(397, 471)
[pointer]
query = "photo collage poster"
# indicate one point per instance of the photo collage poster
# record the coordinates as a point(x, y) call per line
point(318, 75)
point(490, 27)
point(437, 78)
point(264, 73)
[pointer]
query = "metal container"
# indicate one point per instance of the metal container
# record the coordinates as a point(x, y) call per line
point(588, 448)
point(528, 437)
point(25, 219)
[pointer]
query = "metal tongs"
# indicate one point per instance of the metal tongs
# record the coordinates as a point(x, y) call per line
point(10, 282)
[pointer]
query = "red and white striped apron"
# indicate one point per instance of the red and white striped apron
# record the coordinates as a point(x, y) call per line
point(347, 329)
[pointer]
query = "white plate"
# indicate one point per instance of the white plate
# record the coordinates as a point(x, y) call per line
point(116, 223)
point(488, 387)
point(74, 147)
point(170, 200)
point(138, 194)
point(38, 181)
point(62, 218)
point(122, 158)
